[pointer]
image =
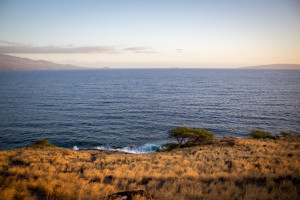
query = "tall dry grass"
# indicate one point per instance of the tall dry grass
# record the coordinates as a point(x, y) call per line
point(228, 169)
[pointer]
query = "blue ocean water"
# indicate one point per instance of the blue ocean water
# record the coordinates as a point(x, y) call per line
point(132, 109)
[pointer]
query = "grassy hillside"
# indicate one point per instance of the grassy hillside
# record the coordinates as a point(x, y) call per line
point(228, 169)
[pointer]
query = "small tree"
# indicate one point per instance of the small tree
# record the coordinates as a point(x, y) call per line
point(180, 134)
point(200, 135)
point(185, 134)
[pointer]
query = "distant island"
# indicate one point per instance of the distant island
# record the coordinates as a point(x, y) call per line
point(274, 66)
point(13, 63)
point(16, 63)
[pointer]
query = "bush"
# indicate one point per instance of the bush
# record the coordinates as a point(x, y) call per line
point(187, 135)
point(42, 144)
point(170, 146)
point(285, 133)
point(260, 134)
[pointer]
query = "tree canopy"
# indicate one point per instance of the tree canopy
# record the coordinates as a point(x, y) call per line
point(184, 134)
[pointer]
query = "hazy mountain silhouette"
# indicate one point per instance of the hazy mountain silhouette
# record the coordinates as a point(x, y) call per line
point(16, 63)
point(275, 66)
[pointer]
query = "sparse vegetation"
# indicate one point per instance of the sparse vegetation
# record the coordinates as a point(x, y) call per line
point(285, 133)
point(42, 144)
point(260, 134)
point(248, 169)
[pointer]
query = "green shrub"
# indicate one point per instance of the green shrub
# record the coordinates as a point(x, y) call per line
point(285, 133)
point(42, 144)
point(260, 134)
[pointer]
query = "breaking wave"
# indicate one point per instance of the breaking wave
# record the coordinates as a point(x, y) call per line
point(146, 148)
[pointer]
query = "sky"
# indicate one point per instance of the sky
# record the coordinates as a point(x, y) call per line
point(152, 33)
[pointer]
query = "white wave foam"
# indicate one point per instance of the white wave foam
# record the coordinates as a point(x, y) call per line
point(75, 148)
point(146, 148)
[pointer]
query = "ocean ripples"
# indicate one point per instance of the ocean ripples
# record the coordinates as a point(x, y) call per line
point(128, 109)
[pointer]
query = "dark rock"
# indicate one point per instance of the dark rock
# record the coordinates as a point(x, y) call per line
point(18, 163)
point(145, 181)
point(260, 182)
point(128, 195)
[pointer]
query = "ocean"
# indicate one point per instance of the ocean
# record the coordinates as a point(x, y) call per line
point(132, 110)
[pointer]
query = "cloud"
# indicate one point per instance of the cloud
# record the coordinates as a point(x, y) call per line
point(14, 48)
point(2, 42)
point(11, 47)
point(179, 50)
point(140, 50)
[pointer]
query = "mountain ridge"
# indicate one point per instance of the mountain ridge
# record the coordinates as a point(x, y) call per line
point(13, 63)
point(274, 66)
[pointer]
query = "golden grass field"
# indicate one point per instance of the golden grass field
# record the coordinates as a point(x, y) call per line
point(241, 168)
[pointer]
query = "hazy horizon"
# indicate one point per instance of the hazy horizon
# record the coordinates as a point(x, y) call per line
point(152, 34)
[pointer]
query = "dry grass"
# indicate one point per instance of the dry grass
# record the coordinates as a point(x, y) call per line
point(228, 169)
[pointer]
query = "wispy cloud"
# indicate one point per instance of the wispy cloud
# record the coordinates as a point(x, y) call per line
point(140, 50)
point(179, 50)
point(12, 47)
point(7, 43)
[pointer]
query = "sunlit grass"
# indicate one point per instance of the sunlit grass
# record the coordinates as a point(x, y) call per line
point(227, 169)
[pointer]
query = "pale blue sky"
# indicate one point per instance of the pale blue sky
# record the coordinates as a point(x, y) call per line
point(152, 33)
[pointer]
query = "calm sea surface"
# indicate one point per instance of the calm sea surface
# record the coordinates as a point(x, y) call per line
point(133, 109)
